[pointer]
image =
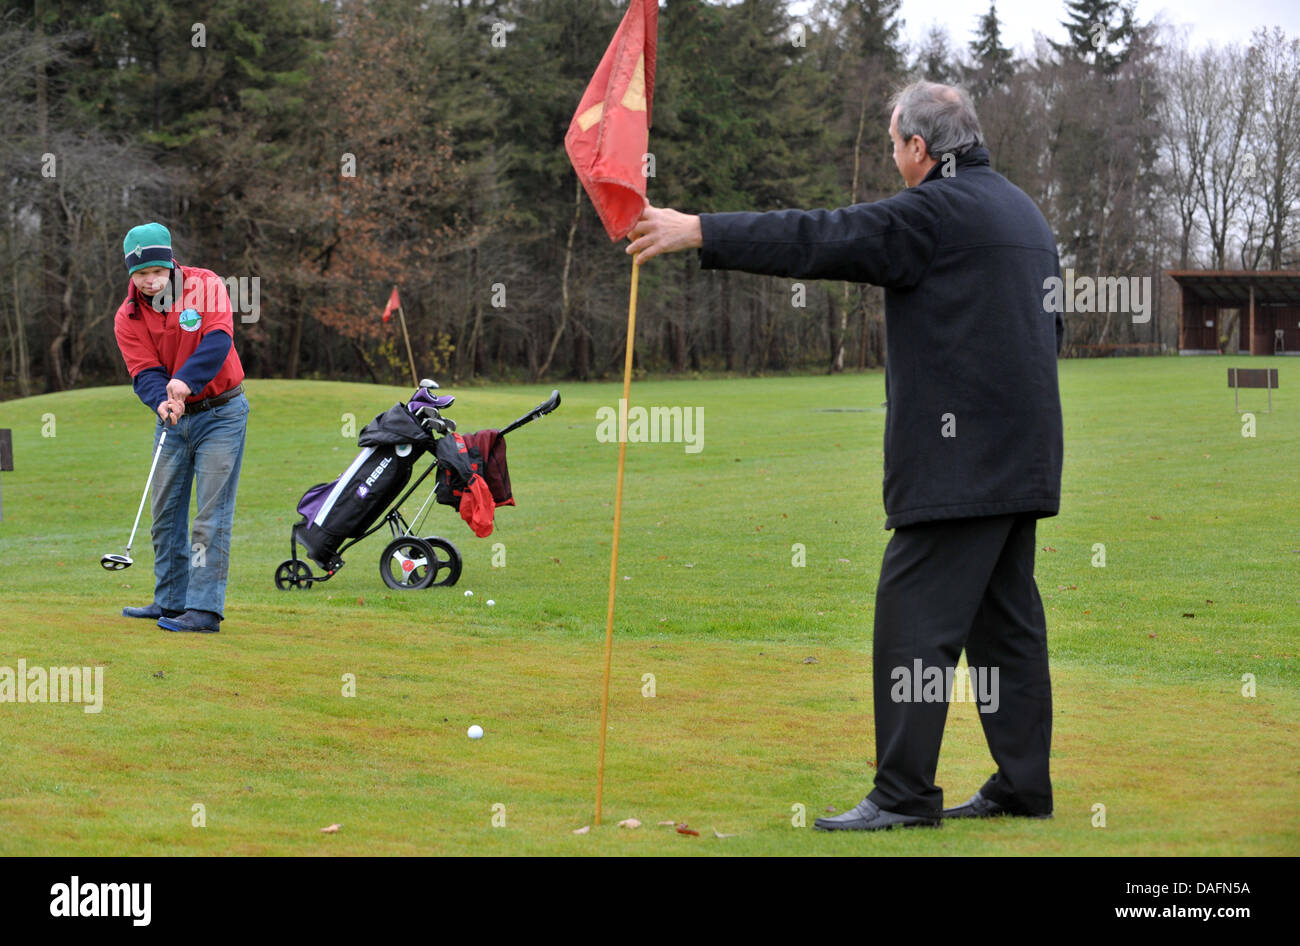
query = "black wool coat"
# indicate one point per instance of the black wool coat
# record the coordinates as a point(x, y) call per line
point(973, 424)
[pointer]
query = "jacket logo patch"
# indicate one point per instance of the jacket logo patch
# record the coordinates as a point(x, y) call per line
point(190, 320)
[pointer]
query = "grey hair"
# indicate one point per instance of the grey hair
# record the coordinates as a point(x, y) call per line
point(943, 115)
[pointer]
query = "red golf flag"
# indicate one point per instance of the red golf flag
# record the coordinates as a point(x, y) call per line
point(393, 303)
point(611, 128)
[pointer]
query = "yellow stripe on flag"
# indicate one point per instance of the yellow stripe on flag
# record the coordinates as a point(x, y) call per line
point(634, 97)
point(591, 116)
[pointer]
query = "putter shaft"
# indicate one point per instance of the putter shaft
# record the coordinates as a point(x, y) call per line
point(145, 495)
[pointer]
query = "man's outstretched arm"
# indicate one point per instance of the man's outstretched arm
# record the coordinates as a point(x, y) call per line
point(889, 242)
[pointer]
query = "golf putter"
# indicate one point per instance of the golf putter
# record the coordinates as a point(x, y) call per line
point(118, 562)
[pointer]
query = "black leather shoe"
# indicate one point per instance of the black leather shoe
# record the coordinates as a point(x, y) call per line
point(868, 816)
point(150, 611)
point(203, 622)
point(977, 806)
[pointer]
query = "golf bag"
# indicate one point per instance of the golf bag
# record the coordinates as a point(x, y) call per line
point(344, 509)
point(471, 477)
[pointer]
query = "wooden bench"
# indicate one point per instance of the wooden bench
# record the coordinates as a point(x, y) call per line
point(1239, 378)
point(1109, 348)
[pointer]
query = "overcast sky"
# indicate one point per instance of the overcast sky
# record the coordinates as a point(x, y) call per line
point(1021, 18)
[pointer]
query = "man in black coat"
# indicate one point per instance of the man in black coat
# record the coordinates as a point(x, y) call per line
point(973, 443)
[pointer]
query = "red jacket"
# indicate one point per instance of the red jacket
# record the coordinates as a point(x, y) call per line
point(152, 339)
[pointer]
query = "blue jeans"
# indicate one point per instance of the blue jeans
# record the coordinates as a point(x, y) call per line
point(206, 449)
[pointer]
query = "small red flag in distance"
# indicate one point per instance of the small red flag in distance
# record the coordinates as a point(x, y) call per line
point(610, 131)
point(393, 303)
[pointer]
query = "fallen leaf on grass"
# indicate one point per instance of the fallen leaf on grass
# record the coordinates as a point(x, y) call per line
point(1188, 614)
point(1153, 517)
point(629, 823)
point(830, 808)
point(667, 824)
point(684, 828)
point(810, 660)
point(583, 830)
point(332, 829)
point(1048, 548)
point(719, 834)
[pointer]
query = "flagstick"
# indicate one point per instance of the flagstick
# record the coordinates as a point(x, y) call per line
point(618, 521)
point(415, 378)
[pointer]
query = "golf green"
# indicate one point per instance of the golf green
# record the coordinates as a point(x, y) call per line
point(740, 695)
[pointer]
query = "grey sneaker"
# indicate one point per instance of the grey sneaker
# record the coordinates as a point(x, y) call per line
point(204, 622)
point(151, 612)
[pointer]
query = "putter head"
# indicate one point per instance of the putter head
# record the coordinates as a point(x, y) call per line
point(116, 562)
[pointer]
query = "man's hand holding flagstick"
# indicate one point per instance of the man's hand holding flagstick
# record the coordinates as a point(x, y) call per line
point(660, 230)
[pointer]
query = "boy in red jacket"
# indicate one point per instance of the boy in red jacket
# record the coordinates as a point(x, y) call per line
point(176, 334)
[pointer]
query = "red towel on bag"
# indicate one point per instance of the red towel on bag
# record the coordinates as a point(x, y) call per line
point(491, 446)
point(477, 507)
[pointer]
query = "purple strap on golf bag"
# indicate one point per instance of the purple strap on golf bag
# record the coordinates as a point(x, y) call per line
point(314, 498)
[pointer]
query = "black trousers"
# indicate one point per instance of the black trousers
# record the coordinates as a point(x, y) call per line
point(945, 586)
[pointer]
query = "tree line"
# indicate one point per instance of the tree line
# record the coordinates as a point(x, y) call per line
point(335, 149)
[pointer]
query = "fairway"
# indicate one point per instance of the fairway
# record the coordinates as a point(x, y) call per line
point(741, 677)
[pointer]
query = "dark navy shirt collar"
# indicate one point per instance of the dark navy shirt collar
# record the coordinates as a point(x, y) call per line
point(976, 156)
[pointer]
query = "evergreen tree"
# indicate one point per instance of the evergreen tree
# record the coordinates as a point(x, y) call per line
point(1100, 33)
point(936, 61)
point(993, 62)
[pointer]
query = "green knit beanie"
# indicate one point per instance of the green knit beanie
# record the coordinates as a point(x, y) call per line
point(147, 245)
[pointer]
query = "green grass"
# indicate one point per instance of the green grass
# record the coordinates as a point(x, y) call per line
point(1150, 721)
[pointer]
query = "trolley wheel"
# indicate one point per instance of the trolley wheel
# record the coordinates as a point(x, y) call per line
point(293, 573)
point(408, 563)
point(449, 562)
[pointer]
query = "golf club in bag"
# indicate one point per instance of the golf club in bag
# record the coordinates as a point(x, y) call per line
point(361, 501)
point(118, 562)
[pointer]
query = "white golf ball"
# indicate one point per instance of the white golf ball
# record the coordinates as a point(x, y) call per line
point(475, 732)
point(469, 594)
point(490, 602)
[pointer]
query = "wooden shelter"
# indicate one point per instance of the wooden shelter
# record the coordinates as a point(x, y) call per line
point(1238, 312)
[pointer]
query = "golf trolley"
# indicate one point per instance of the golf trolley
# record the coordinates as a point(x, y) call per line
point(338, 515)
